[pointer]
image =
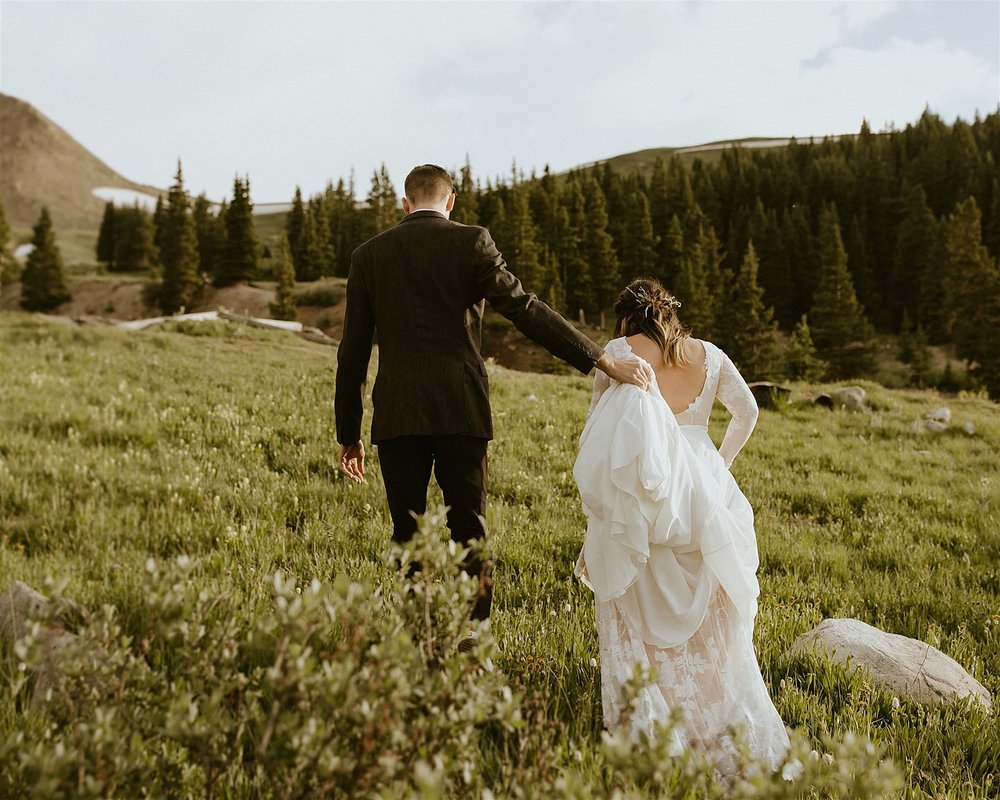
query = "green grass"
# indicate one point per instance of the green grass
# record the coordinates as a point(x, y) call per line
point(117, 446)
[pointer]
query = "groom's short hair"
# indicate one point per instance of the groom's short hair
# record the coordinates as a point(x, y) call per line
point(428, 182)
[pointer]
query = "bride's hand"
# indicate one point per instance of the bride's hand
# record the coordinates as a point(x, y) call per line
point(634, 372)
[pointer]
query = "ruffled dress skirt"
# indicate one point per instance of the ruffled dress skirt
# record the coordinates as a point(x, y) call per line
point(671, 556)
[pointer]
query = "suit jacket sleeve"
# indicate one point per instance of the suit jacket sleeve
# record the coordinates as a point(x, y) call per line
point(530, 315)
point(353, 355)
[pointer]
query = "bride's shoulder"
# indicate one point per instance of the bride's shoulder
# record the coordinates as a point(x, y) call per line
point(617, 346)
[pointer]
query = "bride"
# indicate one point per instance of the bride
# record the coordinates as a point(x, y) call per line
point(670, 550)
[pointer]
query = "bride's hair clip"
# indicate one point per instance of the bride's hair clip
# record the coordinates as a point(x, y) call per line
point(646, 299)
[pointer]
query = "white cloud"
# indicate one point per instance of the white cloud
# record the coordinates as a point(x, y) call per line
point(300, 92)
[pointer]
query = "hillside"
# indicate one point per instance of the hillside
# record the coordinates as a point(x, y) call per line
point(642, 160)
point(215, 446)
point(42, 164)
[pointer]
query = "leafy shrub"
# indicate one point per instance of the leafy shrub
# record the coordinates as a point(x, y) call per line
point(322, 294)
point(338, 689)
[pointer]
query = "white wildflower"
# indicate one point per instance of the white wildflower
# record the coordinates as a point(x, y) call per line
point(792, 770)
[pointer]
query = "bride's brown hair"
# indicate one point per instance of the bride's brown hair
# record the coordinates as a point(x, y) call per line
point(644, 306)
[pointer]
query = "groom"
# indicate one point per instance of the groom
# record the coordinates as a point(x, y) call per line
point(421, 285)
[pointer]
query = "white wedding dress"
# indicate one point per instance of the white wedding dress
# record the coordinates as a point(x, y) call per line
point(671, 556)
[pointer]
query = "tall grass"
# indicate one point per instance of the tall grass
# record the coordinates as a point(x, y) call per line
point(117, 447)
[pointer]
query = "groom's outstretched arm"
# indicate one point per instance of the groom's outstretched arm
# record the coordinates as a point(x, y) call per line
point(531, 316)
point(353, 355)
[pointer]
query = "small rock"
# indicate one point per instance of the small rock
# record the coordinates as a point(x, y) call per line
point(851, 397)
point(935, 425)
point(18, 606)
point(942, 414)
point(969, 426)
point(768, 394)
point(899, 665)
point(823, 400)
point(531, 398)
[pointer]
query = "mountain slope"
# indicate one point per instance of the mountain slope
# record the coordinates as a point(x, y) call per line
point(642, 160)
point(41, 164)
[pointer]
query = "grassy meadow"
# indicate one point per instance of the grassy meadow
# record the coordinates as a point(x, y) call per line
point(218, 442)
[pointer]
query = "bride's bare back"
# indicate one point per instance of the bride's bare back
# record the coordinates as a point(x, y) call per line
point(680, 385)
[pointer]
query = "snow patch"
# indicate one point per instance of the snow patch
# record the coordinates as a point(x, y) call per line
point(124, 197)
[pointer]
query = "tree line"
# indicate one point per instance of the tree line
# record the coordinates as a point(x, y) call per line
point(827, 242)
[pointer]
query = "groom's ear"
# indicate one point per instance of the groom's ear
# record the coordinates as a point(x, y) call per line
point(451, 202)
point(406, 206)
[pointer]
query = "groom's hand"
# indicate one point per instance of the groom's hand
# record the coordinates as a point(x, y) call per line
point(634, 372)
point(352, 461)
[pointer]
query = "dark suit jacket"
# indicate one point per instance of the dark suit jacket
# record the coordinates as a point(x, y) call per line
point(422, 285)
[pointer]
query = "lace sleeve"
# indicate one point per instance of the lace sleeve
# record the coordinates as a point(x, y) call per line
point(601, 382)
point(735, 395)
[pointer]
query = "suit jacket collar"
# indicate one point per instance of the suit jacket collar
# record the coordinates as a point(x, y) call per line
point(424, 214)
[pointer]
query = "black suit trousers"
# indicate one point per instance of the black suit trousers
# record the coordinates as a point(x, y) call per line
point(459, 465)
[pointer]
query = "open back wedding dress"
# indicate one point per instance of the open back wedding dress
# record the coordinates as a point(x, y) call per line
point(671, 556)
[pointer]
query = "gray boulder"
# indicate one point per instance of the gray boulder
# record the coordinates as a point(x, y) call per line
point(937, 419)
point(769, 394)
point(897, 664)
point(851, 397)
point(19, 605)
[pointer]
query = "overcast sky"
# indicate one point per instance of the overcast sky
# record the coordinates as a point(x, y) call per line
point(301, 92)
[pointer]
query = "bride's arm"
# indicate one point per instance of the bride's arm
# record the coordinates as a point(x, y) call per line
point(735, 395)
point(601, 383)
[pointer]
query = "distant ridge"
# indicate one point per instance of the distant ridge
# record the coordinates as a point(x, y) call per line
point(643, 160)
point(41, 164)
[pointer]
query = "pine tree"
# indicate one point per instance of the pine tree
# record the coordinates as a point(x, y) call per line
point(159, 215)
point(859, 262)
point(382, 201)
point(596, 247)
point(340, 213)
point(717, 279)
point(210, 230)
point(178, 249)
point(134, 249)
point(915, 280)
point(971, 285)
point(517, 239)
point(680, 198)
point(751, 341)
point(920, 362)
point(803, 259)
point(842, 334)
point(284, 305)
point(239, 257)
point(106, 237)
point(43, 284)
point(577, 278)
point(775, 274)
point(638, 243)
point(691, 288)
point(294, 224)
point(9, 270)
point(466, 205)
point(673, 252)
point(323, 255)
point(905, 343)
point(801, 361)
point(660, 216)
